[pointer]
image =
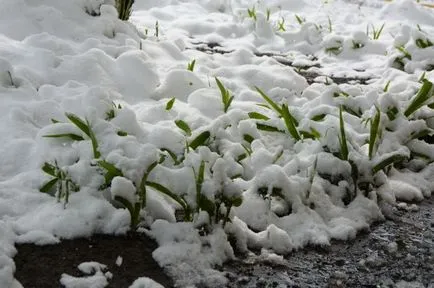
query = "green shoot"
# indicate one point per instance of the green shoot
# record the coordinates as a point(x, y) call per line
point(281, 25)
point(190, 65)
point(225, 94)
point(289, 123)
point(375, 124)
point(343, 137)
point(405, 52)
point(258, 116)
point(330, 24)
point(386, 87)
point(124, 8)
point(111, 172)
point(376, 33)
point(170, 103)
point(252, 13)
point(60, 179)
point(200, 140)
point(268, 128)
point(299, 19)
point(157, 29)
point(268, 14)
point(424, 94)
point(183, 126)
point(421, 43)
point(388, 161)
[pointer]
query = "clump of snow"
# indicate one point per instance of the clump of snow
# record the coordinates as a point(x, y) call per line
point(144, 282)
point(99, 279)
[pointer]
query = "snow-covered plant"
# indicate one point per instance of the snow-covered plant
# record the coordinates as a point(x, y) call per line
point(170, 103)
point(111, 113)
point(376, 33)
point(281, 25)
point(190, 65)
point(374, 132)
point(225, 94)
point(299, 19)
point(60, 179)
point(283, 111)
point(85, 127)
point(124, 8)
point(252, 13)
point(343, 138)
point(425, 93)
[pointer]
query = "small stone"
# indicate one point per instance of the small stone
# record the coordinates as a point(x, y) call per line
point(392, 247)
point(413, 208)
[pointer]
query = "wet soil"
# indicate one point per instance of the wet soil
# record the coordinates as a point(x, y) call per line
point(398, 252)
point(42, 266)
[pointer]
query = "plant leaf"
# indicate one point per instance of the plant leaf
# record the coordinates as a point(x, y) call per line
point(200, 139)
point(71, 136)
point(374, 132)
point(49, 169)
point(47, 186)
point(170, 103)
point(274, 105)
point(425, 92)
point(183, 126)
point(258, 116)
point(160, 188)
point(290, 125)
point(343, 138)
point(268, 128)
point(388, 161)
point(78, 122)
point(319, 117)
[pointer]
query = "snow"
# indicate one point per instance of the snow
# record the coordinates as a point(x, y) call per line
point(56, 58)
point(99, 279)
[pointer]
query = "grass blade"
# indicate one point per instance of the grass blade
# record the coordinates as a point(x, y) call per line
point(425, 92)
point(183, 126)
point(343, 137)
point(268, 128)
point(160, 188)
point(47, 186)
point(375, 124)
point(200, 140)
point(71, 136)
point(49, 169)
point(170, 103)
point(274, 105)
point(258, 116)
point(78, 122)
point(388, 161)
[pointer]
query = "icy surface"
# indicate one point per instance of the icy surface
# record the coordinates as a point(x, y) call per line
point(118, 77)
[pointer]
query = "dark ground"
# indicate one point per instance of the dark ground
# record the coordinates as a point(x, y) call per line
point(397, 250)
point(42, 266)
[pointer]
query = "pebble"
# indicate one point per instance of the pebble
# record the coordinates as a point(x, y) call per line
point(392, 247)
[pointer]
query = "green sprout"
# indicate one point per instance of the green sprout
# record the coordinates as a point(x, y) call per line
point(424, 94)
point(376, 33)
point(299, 19)
point(281, 25)
point(343, 137)
point(190, 65)
point(84, 126)
point(225, 94)
point(124, 8)
point(374, 132)
point(61, 179)
point(170, 103)
point(252, 13)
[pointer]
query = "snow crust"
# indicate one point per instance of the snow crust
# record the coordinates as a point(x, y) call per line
point(56, 58)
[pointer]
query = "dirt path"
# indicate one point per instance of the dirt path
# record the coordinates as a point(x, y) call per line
point(396, 253)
